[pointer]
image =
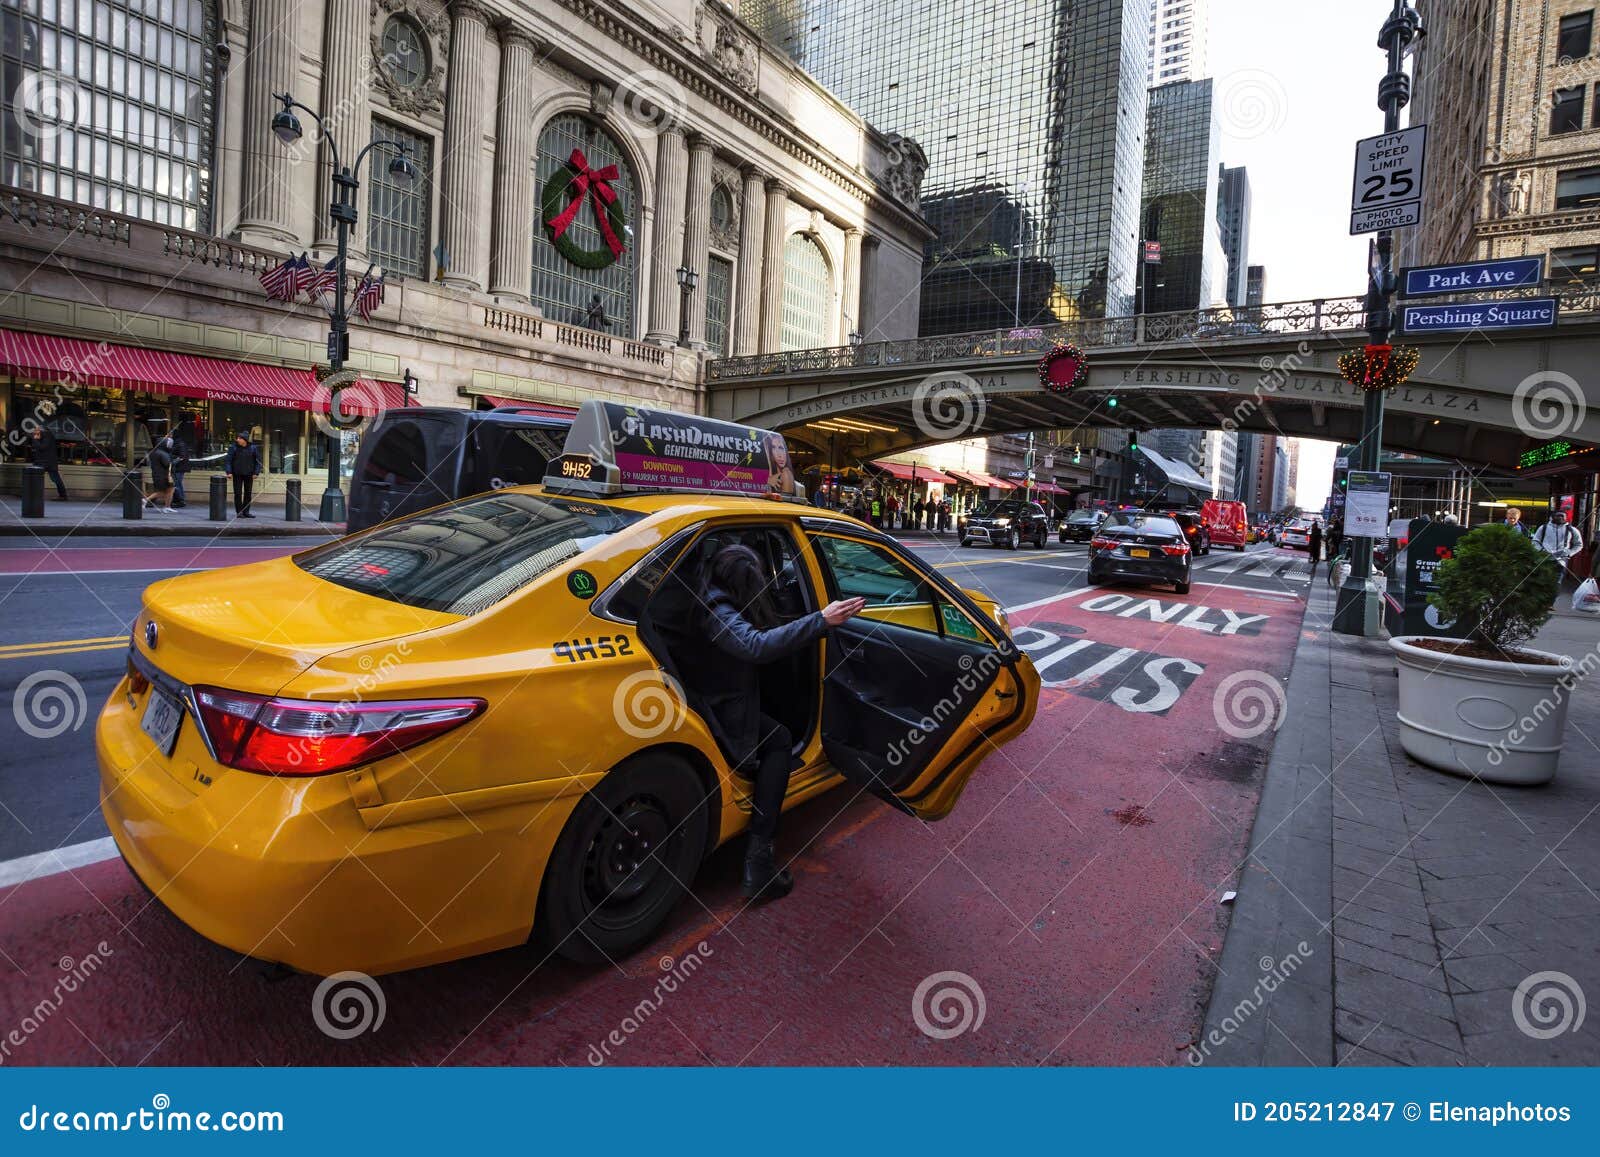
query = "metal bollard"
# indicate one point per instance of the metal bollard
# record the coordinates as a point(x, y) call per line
point(133, 494)
point(291, 500)
point(218, 498)
point(33, 492)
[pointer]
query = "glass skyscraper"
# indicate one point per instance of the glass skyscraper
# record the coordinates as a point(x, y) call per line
point(1032, 116)
point(1182, 144)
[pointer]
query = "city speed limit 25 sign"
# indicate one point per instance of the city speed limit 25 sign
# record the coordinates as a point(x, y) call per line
point(1387, 190)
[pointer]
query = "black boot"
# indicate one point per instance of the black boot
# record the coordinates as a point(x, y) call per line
point(763, 879)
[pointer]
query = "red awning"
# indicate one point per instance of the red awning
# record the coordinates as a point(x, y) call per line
point(540, 409)
point(1050, 488)
point(912, 473)
point(978, 478)
point(74, 362)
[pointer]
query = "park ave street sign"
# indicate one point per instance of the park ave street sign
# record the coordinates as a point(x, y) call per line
point(1461, 317)
point(1471, 276)
point(1386, 191)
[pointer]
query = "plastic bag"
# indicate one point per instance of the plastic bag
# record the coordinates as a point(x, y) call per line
point(1587, 597)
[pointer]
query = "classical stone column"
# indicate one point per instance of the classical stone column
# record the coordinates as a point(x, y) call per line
point(666, 247)
point(772, 268)
point(697, 236)
point(851, 306)
point(512, 272)
point(747, 299)
point(266, 202)
point(461, 216)
point(345, 108)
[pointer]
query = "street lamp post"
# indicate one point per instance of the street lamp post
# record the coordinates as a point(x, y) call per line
point(1394, 92)
point(342, 209)
point(686, 283)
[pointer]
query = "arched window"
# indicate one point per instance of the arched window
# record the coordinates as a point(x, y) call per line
point(114, 105)
point(405, 51)
point(573, 269)
point(807, 294)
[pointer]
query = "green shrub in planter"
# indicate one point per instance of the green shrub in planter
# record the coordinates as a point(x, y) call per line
point(1498, 585)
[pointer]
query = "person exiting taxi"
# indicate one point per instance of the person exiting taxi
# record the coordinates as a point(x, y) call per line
point(745, 630)
point(242, 465)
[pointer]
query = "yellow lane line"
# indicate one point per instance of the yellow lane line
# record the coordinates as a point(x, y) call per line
point(47, 652)
point(64, 643)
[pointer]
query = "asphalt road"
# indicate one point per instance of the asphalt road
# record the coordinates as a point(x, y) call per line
point(1077, 884)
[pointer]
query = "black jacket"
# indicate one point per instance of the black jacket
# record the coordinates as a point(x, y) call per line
point(723, 665)
point(44, 450)
point(244, 460)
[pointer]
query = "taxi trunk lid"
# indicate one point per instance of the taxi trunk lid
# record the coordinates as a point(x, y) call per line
point(255, 627)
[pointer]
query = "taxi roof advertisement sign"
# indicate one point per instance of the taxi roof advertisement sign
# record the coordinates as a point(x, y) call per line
point(645, 449)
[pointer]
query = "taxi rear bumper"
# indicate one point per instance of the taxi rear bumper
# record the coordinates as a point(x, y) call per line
point(288, 870)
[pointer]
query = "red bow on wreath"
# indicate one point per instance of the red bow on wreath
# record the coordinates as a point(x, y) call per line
point(597, 183)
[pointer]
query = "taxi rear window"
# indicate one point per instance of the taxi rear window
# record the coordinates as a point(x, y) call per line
point(469, 554)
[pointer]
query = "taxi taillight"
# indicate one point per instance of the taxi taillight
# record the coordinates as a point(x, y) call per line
point(275, 736)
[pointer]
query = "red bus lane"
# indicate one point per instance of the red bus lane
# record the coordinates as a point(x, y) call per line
point(1067, 912)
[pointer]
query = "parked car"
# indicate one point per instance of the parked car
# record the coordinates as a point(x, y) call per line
point(1007, 522)
point(1080, 525)
point(421, 456)
point(1227, 522)
point(1140, 547)
point(1195, 530)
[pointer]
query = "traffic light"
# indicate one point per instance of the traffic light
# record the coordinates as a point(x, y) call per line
point(1111, 402)
point(1077, 456)
point(1133, 439)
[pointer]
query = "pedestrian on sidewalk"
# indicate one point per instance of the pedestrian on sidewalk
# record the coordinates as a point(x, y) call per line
point(180, 467)
point(48, 457)
point(1314, 547)
point(1559, 539)
point(242, 465)
point(1514, 521)
point(1335, 538)
point(160, 462)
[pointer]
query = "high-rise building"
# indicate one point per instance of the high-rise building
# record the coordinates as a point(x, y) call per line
point(1233, 223)
point(1178, 34)
point(1182, 140)
point(1291, 470)
point(1031, 114)
point(1255, 283)
point(1282, 485)
point(1510, 93)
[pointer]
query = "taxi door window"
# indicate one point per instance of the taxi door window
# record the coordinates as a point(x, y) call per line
point(894, 592)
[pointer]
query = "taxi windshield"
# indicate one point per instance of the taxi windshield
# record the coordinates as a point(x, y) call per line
point(467, 555)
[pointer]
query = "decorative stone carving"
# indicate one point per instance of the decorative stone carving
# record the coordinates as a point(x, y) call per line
point(601, 96)
point(725, 233)
point(428, 95)
point(905, 165)
point(1508, 194)
point(731, 49)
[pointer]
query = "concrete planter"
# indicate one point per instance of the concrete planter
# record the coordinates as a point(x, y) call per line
point(1497, 721)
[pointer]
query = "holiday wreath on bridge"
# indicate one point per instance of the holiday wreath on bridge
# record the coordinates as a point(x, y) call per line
point(1379, 367)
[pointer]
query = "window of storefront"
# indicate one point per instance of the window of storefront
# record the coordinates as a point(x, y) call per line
point(807, 291)
point(565, 288)
point(398, 221)
point(719, 293)
point(113, 104)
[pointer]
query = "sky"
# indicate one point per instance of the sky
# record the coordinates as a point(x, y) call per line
point(1296, 86)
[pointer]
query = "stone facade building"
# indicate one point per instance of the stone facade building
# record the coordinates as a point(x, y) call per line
point(1510, 91)
point(570, 157)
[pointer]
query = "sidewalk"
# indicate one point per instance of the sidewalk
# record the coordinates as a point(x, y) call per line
point(1422, 900)
point(63, 519)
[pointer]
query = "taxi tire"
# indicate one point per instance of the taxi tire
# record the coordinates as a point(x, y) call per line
point(567, 924)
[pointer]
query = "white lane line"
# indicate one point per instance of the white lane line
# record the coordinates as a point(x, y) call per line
point(48, 863)
point(1249, 591)
point(1044, 602)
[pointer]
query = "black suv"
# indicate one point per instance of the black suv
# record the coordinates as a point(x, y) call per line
point(1080, 525)
point(1008, 522)
point(1194, 529)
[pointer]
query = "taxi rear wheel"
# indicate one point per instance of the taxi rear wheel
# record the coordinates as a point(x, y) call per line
point(624, 860)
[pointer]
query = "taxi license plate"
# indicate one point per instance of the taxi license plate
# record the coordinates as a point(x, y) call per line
point(162, 716)
point(1136, 552)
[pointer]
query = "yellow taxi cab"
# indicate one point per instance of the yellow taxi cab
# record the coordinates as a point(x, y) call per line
point(465, 727)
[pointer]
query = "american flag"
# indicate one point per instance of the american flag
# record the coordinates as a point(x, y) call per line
point(369, 295)
point(324, 280)
point(302, 274)
point(279, 281)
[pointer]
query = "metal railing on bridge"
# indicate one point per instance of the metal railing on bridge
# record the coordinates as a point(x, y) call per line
point(1323, 315)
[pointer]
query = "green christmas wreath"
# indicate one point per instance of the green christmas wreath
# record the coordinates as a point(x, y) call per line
point(561, 201)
